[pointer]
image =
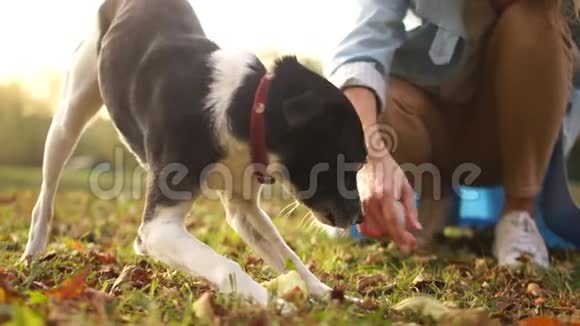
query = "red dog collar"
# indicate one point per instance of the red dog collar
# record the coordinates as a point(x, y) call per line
point(258, 150)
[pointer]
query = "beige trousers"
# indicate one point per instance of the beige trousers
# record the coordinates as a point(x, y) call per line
point(509, 126)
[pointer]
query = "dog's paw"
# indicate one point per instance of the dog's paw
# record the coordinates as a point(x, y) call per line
point(319, 290)
point(138, 247)
point(29, 255)
point(24, 260)
point(27, 259)
point(35, 247)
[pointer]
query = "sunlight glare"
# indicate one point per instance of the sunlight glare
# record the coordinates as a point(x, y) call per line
point(40, 35)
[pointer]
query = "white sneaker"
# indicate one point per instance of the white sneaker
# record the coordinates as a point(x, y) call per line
point(515, 235)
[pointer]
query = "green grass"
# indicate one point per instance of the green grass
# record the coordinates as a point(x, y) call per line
point(96, 236)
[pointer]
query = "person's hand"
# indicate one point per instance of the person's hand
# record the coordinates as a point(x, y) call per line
point(381, 182)
point(383, 189)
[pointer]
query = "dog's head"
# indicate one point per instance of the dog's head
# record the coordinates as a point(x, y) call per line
point(318, 137)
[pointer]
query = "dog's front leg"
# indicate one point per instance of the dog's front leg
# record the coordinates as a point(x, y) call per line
point(163, 236)
point(257, 229)
point(263, 224)
point(238, 217)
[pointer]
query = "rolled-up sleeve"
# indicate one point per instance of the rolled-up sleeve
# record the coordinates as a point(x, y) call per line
point(364, 56)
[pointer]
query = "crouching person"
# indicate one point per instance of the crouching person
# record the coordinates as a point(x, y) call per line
point(482, 84)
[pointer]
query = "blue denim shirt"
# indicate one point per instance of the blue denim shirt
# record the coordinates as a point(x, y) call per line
point(378, 44)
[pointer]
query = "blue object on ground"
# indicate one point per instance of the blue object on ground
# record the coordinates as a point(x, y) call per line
point(482, 207)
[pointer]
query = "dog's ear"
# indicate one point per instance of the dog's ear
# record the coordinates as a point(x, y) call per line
point(301, 110)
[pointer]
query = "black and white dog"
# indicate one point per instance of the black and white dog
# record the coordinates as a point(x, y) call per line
point(180, 102)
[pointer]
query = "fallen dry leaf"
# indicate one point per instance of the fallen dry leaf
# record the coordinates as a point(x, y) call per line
point(312, 265)
point(347, 257)
point(39, 285)
point(440, 312)
point(107, 272)
point(336, 276)
point(505, 305)
point(48, 256)
point(368, 304)
point(534, 289)
point(289, 286)
point(575, 318)
point(369, 281)
point(253, 261)
point(7, 294)
point(169, 292)
point(78, 246)
point(539, 301)
point(104, 258)
point(468, 317)
point(6, 275)
point(71, 288)
point(295, 295)
point(424, 305)
point(374, 259)
point(135, 275)
point(261, 320)
point(462, 269)
point(98, 300)
point(544, 321)
point(422, 283)
point(480, 264)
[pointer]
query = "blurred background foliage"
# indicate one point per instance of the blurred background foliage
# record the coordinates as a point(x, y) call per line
point(26, 110)
point(24, 123)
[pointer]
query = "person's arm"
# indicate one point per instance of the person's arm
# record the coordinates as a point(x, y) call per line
point(359, 67)
point(364, 55)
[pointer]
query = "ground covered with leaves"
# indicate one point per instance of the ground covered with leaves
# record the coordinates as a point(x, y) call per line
point(90, 274)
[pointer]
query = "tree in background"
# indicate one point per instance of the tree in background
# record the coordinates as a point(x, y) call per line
point(24, 123)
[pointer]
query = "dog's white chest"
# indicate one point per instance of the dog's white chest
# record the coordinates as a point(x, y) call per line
point(233, 174)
